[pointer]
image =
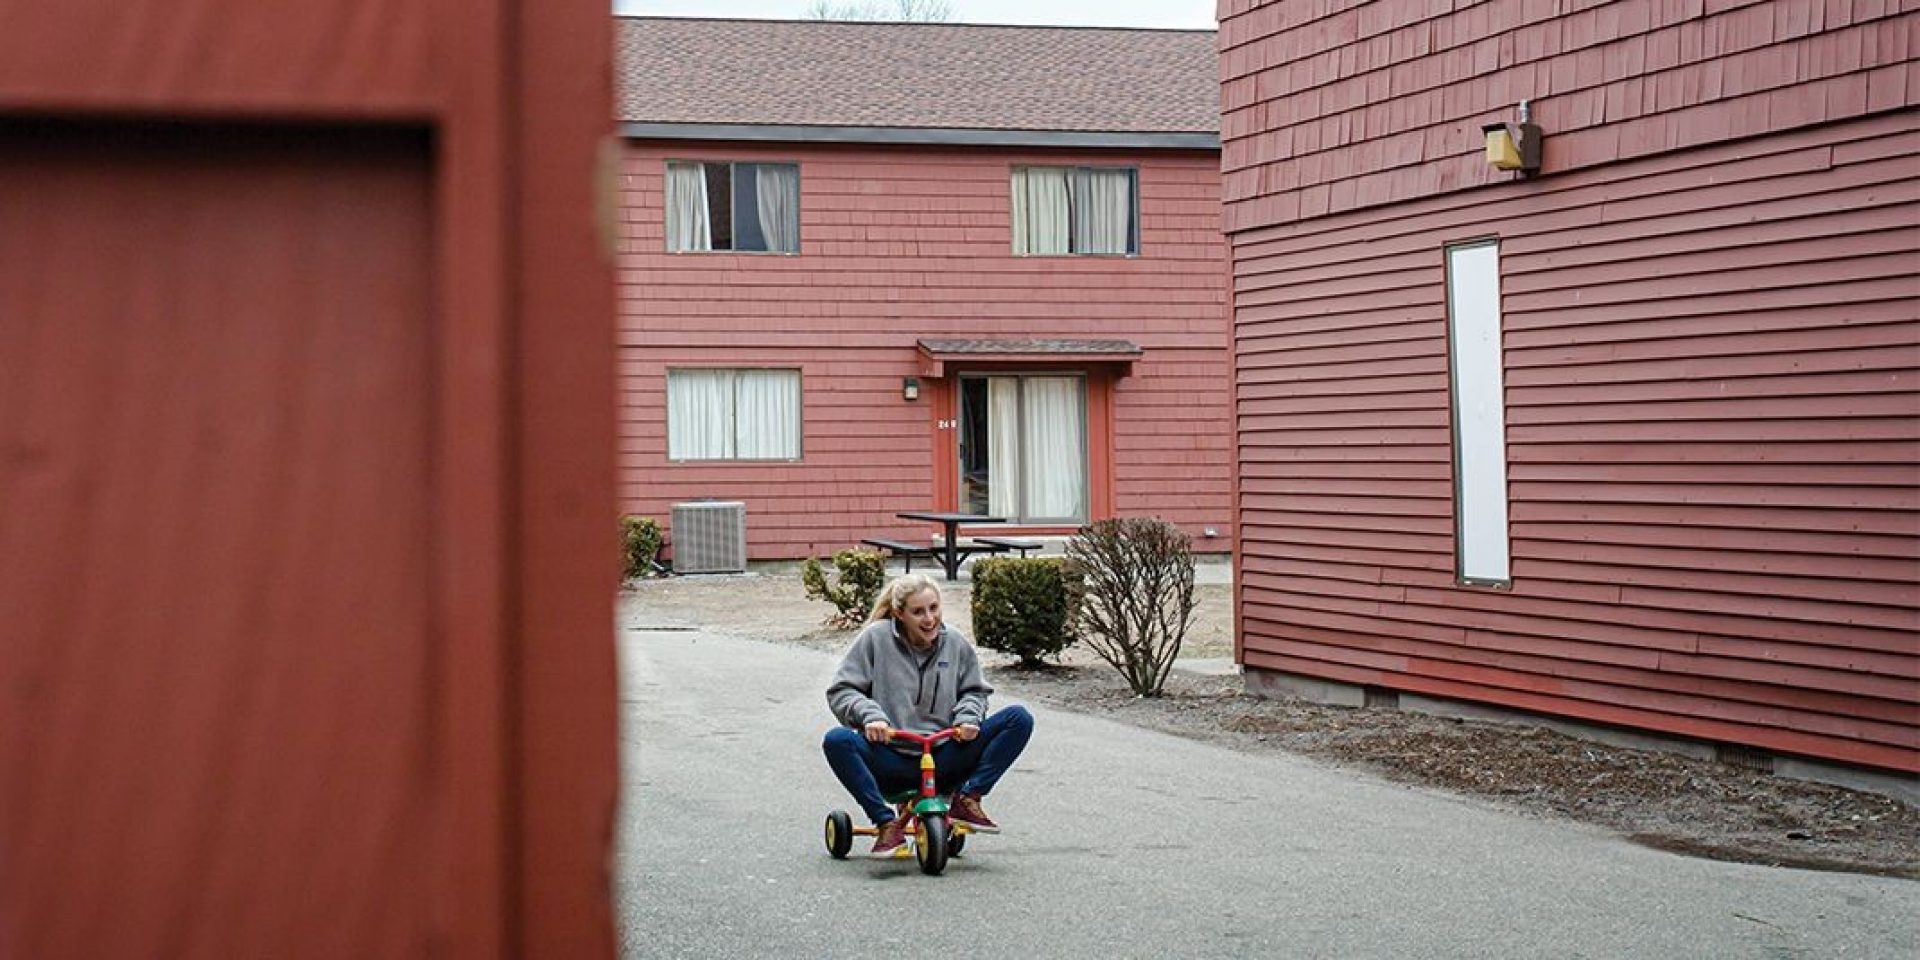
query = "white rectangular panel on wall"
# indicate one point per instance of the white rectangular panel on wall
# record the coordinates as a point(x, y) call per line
point(1479, 414)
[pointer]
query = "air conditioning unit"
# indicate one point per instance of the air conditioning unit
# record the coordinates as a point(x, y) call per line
point(709, 536)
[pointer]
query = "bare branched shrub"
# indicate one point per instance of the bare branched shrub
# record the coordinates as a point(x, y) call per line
point(1136, 596)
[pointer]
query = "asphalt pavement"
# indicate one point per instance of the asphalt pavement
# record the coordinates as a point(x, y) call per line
point(1128, 843)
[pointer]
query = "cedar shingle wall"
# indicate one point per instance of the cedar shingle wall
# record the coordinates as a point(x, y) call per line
point(1713, 426)
point(1333, 105)
point(903, 244)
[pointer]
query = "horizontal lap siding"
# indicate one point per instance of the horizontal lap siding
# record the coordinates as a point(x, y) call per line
point(1172, 447)
point(1335, 105)
point(899, 245)
point(1713, 422)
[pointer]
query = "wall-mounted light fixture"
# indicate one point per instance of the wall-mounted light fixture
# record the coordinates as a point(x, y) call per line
point(1514, 146)
point(910, 388)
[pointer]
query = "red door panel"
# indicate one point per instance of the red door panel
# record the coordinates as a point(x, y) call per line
point(215, 547)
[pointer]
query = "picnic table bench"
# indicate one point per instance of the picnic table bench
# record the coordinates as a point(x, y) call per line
point(1010, 543)
point(908, 551)
point(901, 548)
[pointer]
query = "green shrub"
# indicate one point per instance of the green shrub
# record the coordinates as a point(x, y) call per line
point(1023, 607)
point(859, 576)
point(1136, 596)
point(640, 540)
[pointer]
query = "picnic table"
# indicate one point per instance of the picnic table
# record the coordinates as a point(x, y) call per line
point(953, 552)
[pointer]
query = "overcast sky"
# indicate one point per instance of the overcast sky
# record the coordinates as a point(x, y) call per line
point(1174, 14)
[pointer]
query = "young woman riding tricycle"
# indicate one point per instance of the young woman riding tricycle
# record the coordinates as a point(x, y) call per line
point(909, 682)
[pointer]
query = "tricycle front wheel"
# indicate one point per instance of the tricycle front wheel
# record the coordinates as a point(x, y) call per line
point(930, 847)
point(839, 834)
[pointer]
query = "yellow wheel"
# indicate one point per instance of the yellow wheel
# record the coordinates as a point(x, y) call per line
point(839, 834)
point(931, 846)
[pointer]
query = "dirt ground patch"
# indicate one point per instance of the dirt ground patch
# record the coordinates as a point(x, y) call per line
point(1677, 803)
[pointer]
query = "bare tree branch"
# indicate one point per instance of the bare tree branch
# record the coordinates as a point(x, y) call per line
point(912, 11)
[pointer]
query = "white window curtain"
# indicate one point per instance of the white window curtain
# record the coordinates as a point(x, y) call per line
point(699, 414)
point(778, 187)
point(1102, 211)
point(1003, 446)
point(767, 414)
point(1042, 214)
point(1018, 197)
point(733, 414)
point(1056, 477)
point(688, 228)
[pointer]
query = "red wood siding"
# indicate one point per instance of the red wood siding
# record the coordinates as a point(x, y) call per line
point(1333, 105)
point(899, 245)
point(306, 480)
point(282, 58)
point(1713, 427)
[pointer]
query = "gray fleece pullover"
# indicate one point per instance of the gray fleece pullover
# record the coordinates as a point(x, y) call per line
point(881, 678)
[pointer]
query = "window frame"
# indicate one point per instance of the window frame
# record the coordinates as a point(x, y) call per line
point(1465, 498)
point(1086, 442)
point(1133, 227)
point(799, 191)
point(799, 415)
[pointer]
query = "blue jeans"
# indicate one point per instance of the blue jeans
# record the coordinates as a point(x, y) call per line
point(869, 771)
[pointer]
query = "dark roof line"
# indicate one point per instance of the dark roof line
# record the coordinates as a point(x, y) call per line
point(923, 136)
point(917, 23)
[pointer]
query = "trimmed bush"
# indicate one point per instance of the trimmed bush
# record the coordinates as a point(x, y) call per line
point(640, 542)
point(859, 575)
point(1136, 596)
point(1023, 607)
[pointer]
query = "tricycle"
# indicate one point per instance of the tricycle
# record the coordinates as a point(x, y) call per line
point(932, 835)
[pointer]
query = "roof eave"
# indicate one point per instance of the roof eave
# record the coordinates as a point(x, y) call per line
point(1115, 355)
point(923, 136)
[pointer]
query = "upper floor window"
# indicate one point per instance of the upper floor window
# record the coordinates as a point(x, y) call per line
point(1075, 210)
point(733, 206)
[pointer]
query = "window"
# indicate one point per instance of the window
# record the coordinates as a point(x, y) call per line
point(1479, 414)
point(733, 414)
point(1023, 451)
point(1075, 210)
point(733, 206)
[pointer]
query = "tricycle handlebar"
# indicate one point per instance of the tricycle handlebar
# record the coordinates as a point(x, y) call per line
point(923, 739)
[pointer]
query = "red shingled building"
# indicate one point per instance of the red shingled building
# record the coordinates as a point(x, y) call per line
point(1631, 441)
point(880, 267)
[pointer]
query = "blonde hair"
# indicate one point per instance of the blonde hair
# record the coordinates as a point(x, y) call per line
point(894, 596)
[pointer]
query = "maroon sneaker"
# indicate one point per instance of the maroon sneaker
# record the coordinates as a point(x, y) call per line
point(892, 839)
point(966, 809)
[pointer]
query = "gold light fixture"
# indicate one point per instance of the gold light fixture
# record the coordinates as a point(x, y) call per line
point(1514, 146)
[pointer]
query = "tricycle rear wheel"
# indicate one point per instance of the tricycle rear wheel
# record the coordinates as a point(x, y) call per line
point(931, 846)
point(839, 834)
